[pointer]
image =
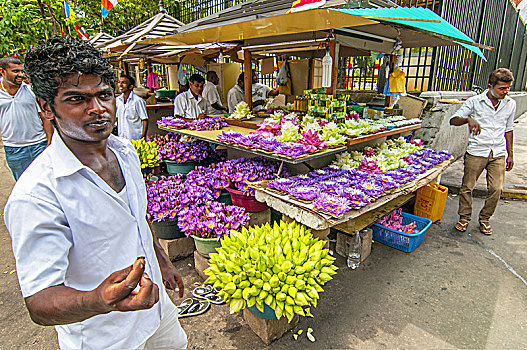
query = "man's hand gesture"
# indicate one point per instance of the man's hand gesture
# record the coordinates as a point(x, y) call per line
point(116, 292)
point(473, 127)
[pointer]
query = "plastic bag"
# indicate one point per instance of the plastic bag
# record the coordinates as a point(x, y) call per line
point(281, 79)
point(181, 76)
point(397, 81)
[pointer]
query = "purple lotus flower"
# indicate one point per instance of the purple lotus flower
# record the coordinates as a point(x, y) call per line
point(304, 193)
point(333, 205)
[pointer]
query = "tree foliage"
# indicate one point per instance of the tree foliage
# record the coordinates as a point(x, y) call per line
point(23, 24)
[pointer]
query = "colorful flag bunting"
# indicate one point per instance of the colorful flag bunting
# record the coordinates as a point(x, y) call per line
point(106, 6)
point(302, 5)
point(67, 9)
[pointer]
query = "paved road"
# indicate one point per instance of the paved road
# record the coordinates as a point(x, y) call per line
point(457, 291)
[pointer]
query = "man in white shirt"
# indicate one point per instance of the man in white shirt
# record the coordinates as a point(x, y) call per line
point(25, 133)
point(490, 118)
point(191, 104)
point(210, 93)
point(261, 92)
point(236, 94)
point(86, 259)
point(132, 120)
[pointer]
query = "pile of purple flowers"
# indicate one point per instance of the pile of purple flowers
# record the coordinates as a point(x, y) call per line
point(182, 152)
point(266, 144)
point(163, 198)
point(213, 123)
point(172, 122)
point(336, 191)
point(162, 140)
point(213, 220)
point(236, 174)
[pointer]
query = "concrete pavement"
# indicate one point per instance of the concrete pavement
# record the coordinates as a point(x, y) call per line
point(456, 291)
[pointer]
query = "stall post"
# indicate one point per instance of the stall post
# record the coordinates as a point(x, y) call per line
point(248, 77)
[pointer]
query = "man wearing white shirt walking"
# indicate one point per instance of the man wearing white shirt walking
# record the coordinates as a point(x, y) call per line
point(132, 120)
point(86, 259)
point(191, 104)
point(25, 133)
point(490, 118)
point(210, 93)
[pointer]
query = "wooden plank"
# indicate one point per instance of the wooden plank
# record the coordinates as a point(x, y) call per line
point(212, 135)
point(372, 216)
point(378, 135)
point(306, 214)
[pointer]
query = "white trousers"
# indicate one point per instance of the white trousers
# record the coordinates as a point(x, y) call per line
point(169, 335)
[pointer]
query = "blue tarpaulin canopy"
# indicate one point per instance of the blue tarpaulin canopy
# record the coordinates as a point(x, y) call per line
point(421, 19)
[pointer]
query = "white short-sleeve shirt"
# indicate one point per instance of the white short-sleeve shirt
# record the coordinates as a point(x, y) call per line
point(68, 226)
point(130, 116)
point(20, 123)
point(211, 94)
point(235, 96)
point(186, 105)
point(260, 92)
point(494, 124)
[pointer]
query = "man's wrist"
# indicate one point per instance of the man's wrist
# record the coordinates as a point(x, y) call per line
point(93, 301)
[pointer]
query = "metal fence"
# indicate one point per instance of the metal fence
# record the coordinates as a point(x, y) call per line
point(190, 10)
point(491, 22)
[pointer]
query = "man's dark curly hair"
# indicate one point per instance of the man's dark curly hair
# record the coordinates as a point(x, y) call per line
point(56, 59)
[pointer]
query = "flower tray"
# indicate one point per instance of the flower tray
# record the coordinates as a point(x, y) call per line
point(267, 314)
point(206, 246)
point(225, 197)
point(167, 229)
point(406, 242)
point(249, 203)
point(174, 168)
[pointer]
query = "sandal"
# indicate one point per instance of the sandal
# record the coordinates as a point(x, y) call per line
point(484, 227)
point(208, 293)
point(192, 307)
point(461, 225)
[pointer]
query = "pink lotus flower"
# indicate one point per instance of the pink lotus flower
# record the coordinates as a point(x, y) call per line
point(311, 139)
point(268, 128)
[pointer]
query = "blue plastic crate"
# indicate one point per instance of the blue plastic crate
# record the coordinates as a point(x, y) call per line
point(406, 242)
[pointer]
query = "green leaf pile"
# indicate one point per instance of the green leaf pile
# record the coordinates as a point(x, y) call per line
point(282, 266)
point(147, 152)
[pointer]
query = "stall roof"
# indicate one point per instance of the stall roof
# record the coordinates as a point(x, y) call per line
point(100, 39)
point(157, 26)
point(254, 9)
point(359, 31)
point(419, 18)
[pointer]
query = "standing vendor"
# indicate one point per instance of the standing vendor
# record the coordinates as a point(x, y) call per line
point(261, 92)
point(490, 119)
point(210, 93)
point(236, 94)
point(191, 104)
point(132, 120)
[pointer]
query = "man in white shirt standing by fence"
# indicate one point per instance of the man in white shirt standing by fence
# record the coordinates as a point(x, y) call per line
point(132, 119)
point(25, 133)
point(490, 118)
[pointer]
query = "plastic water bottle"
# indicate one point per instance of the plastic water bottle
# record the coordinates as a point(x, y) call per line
point(354, 250)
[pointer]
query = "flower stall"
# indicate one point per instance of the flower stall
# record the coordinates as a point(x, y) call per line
point(275, 272)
